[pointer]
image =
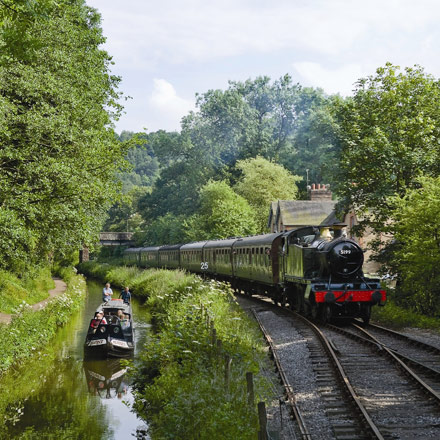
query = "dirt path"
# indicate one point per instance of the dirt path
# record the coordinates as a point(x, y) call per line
point(60, 287)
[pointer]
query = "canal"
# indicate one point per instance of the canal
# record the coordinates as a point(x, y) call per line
point(59, 395)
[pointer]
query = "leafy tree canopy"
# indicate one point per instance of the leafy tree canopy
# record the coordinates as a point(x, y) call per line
point(263, 182)
point(417, 256)
point(271, 119)
point(58, 152)
point(390, 135)
point(222, 214)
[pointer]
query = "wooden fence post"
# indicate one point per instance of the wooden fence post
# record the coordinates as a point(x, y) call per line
point(262, 418)
point(219, 346)
point(228, 362)
point(250, 388)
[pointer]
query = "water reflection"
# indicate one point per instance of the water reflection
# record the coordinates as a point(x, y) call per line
point(106, 378)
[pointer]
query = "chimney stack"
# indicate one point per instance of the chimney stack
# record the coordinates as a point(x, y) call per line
point(318, 192)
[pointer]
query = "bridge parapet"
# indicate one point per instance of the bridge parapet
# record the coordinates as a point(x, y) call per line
point(115, 236)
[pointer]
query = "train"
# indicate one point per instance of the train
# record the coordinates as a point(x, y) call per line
point(314, 270)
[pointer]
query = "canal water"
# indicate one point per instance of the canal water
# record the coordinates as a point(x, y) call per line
point(60, 396)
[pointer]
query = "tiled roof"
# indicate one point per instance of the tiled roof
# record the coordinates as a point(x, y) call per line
point(303, 212)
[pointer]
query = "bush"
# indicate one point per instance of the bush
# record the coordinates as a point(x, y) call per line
point(396, 316)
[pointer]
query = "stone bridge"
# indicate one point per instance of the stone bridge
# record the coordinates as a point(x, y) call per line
point(109, 239)
point(116, 238)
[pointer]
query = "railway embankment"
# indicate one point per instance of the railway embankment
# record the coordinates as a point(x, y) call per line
point(400, 317)
point(31, 327)
point(192, 374)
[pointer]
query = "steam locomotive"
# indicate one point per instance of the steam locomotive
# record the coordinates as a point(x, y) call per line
point(314, 270)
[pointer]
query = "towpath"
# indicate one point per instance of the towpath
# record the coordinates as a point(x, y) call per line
point(60, 287)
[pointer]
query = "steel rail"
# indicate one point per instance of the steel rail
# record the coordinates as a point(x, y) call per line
point(406, 338)
point(364, 418)
point(305, 434)
point(380, 346)
point(371, 427)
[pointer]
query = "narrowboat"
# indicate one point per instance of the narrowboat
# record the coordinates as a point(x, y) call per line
point(110, 332)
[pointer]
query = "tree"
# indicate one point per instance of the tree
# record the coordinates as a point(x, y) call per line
point(263, 182)
point(277, 120)
point(255, 117)
point(168, 229)
point(124, 214)
point(222, 214)
point(390, 135)
point(58, 151)
point(417, 258)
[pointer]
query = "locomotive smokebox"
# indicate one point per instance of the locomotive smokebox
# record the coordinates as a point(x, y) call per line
point(340, 258)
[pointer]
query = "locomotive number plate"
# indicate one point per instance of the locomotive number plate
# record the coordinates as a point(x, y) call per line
point(345, 252)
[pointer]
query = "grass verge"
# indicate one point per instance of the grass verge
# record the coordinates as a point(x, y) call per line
point(32, 288)
point(393, 315)
point(29, 330)
point(187, 384)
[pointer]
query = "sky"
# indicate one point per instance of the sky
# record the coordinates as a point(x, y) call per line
point(167, 51)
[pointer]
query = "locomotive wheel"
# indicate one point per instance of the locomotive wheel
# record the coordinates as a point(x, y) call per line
point(298, 303)
point(314, 311)
point(366, 314)
point(326, 313)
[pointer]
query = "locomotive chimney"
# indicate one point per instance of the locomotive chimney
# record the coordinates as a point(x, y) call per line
point(320, 193)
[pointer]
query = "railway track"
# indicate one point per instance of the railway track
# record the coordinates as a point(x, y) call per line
point(422, 358)
point(401, 402)
point(332, 410)
point(393, 380)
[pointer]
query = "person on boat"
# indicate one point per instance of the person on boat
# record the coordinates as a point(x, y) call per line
point(126, 295)
point(125, 323)
point(107, 293)
point(98, 319)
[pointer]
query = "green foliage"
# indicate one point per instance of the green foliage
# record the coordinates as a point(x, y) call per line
point(144, 164)
point(181, 376)
point(168, 229)
point(124, 215)
point(176, 191)
point(31, 289)
point(416, 228)
point(31, 330)
point(277, 120)
point(263, 182)
point(397, 316)
point(222, 214)
point(58, 152)
point(389, 134)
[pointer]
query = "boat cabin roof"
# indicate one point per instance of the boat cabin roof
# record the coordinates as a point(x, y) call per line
point(116, 304)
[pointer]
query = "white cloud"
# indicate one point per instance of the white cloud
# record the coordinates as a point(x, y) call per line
point(179, 32)
point(201, 44)
point(167, 105)
point(339, 80)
